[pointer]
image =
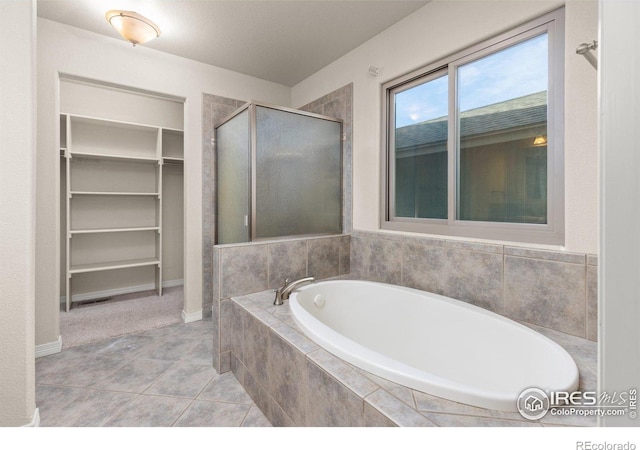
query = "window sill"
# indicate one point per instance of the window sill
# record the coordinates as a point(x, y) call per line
point(520, 233)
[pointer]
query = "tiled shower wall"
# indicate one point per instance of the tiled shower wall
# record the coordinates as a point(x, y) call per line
point(338, 104)
point(556, 290)
point(215, 108)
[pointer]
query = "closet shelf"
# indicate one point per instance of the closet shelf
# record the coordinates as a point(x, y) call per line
point(113, 265)
point(133, 194)
point(169, 161)
point(173, 130)
point(113, 230)
point(111, 123)
point(86, 155)
point(115, 168)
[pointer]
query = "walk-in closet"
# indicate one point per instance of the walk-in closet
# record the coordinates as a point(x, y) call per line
point(121, 191)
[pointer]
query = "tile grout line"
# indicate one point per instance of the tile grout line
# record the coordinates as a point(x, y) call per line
point(193, 399)
point(218, 303)
point(306, 246)
point(120, 411)
point(186, 408)
point(504, 284)
point(340, 255)
point(245, 416)
point(266, 392)
point(586, 302)
point(268, 266)
point(402, 252)
point(413, 398)
point(480, 417)
point(395, 422)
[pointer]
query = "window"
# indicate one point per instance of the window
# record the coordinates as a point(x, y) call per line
point(473, 144)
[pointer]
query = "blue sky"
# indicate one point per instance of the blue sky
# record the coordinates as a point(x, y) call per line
point(513, 72)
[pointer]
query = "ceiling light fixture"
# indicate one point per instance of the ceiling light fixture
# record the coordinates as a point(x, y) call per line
point(132, 26)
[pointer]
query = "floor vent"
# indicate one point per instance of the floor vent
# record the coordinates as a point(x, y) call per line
point(93, 301)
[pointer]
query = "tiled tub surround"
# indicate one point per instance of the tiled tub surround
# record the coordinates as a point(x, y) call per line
point(240, 269)
point(555, 290)
point(296, 383)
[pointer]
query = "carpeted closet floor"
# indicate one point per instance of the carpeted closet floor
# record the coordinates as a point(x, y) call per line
point(120, 315)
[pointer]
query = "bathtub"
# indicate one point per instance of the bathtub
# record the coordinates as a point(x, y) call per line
point(431, 343)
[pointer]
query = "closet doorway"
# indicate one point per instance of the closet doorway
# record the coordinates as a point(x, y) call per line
point(121, 208)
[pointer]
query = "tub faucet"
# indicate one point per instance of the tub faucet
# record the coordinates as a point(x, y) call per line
point(284, 292)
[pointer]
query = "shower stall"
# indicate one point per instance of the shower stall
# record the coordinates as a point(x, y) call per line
point(279, 174)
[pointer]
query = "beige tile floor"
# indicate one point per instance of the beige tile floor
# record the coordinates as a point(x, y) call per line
point(161, 377)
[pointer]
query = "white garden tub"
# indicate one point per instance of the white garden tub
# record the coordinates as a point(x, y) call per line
point(431, 343)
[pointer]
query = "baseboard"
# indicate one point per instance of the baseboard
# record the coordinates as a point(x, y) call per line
point(172, 283)
point(49, 348)
point(191, 317)
point(120, 291)
point(35, 420)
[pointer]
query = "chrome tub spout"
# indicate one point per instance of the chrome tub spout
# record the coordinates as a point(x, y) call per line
point(284, 292)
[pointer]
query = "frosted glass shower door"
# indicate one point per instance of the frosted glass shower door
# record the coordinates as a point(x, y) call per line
point(233, 175)
point(298, 165)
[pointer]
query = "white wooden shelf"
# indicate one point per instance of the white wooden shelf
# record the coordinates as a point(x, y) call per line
point(113, 230)
point(172, 145)
point(86, 155)
point(113, 265)
point(77, 118)
point(170, 161)
point(132, 194)
point(173, 130)
point(125, 161)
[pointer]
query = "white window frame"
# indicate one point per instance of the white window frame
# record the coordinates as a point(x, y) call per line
point(550, 233)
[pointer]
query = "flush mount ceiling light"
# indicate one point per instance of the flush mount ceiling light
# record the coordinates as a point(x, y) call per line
point(132, 26)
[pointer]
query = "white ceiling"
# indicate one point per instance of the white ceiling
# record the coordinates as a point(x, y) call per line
point(279, 41)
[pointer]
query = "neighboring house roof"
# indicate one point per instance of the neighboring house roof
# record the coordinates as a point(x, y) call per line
point(518, 112)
